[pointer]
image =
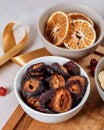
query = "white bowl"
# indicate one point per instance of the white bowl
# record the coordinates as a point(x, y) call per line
point(99, 68)
point(71, 7)
point(44, 117)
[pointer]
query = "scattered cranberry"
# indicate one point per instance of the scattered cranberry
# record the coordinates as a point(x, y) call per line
point(93, 64)
point(3, 91)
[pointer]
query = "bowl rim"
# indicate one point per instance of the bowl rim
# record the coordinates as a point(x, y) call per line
point(23, 104)
point(77, 4)
point(96, 76)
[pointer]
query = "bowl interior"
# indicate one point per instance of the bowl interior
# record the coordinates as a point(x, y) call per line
point(73, 7)
point(48, 60)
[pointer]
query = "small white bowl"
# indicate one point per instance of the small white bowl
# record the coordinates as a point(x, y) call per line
point(44, 117)
point(99, 68)
point(67, 7)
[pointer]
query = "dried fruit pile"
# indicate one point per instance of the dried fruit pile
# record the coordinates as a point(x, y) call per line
point(73, 30)
point(53, 88)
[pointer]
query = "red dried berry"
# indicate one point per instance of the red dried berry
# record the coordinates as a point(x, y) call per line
point(93, 64)
point(3, 91)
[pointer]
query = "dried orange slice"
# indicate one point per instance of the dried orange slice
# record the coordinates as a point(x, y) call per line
point(80, 16)
point(80, 35)
point(57, 27)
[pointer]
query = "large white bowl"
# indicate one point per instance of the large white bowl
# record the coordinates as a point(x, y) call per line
point(67, 7)
point(99, 68)
point(43, 117)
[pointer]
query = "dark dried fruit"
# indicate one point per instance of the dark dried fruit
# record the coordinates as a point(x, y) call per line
point(60, 70)
point(46, 97)
point(3, 91)
point(61, 101)
point(72, 68)
point(33, 101)
point(35, 104)
point(40, 78)
point(81, 80)
point(93, 64)
point(76, 90)
point(45, 110)
point(32, 86)
point(74, 87)
point(49, 70)
point(56, 81)
point(36, 70)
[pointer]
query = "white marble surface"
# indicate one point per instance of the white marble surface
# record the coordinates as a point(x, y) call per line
point(27, 12)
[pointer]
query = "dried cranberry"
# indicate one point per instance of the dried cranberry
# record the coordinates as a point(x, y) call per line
point(93, 64)
point(3, 91)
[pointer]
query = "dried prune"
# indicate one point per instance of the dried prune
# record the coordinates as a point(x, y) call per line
point(61, 101)
point(60, 69)
point(80, 79)
point(46, 97)
point(33, 101)
point(72, 68)
point(40, 78)
point(74, 87)
point(36, 70)
point(56, 81)
point(49, 70)
point(32, 86)
point(45, 110)
point(76, 90)
point(35, 104)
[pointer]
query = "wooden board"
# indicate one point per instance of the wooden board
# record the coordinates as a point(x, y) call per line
point(91, 117)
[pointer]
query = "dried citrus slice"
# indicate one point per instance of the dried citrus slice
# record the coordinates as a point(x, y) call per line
point(80, 16)
point(57, 27)
point(80, 35)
